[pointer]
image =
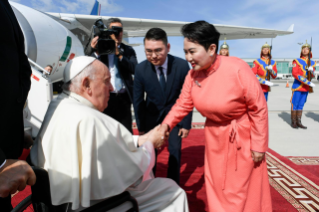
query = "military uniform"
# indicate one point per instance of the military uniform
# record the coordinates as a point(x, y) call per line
point(261, 69)
point(224, 46)
point(300, 87)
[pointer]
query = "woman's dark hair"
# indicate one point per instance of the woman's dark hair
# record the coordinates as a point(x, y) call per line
point(202, 33)
point(156, 34)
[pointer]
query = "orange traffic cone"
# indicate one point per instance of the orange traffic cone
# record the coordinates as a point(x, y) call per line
point(287, 85)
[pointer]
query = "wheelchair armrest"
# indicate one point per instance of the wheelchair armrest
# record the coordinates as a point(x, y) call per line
point(113, 202)
point(41, 189)
point(41, 193)
point(41, 197)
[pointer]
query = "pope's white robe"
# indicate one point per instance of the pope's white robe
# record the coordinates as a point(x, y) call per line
point(90, 157)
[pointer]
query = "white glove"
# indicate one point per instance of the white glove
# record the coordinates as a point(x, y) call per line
point(269, 67)
point(310, 68)
point(268, 83)
point(312, 85)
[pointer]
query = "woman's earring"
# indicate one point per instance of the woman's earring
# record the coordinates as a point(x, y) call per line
point(211, 55)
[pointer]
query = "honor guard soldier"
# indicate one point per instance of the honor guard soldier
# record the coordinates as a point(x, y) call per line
point(303, 70)
point(264, 67)
point(224, 49)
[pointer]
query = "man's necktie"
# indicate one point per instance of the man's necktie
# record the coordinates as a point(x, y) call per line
point(162, 79)
point(118, 81)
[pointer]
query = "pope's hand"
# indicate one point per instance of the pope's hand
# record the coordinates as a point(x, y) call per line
point(15, 175)
point(312, 84)
point(268, 83)
point(310, 68)
point(257, 156)
point(154, 136)
point(269, 67)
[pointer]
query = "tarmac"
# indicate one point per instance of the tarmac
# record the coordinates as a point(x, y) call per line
point(282, 137)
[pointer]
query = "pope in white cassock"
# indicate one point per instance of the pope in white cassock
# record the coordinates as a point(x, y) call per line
point(90, 156)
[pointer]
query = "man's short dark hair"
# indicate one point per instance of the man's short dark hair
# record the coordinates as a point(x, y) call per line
point(201, 32)
point(113, 20)
point(49, 66)
point(156, 34)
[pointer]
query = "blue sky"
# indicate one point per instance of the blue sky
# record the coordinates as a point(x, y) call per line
point(271, 14)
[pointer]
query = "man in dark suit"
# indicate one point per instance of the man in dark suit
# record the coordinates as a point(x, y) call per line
point(161, 77)
point(14, 86)
point(122, 66)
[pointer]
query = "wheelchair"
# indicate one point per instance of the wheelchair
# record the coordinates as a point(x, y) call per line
point(41, 198)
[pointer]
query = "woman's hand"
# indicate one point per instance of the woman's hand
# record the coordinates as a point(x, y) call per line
point(164, 129)
point(257, 156)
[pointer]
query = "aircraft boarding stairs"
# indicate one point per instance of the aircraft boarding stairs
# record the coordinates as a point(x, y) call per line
point(39, 98)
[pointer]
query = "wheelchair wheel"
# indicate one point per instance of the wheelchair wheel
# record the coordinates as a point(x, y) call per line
point(23, 204)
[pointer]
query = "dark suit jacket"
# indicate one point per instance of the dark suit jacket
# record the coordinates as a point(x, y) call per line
point(151, 112)
point(126, 66)
point(15, 83)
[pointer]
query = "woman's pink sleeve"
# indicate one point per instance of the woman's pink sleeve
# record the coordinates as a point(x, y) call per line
point(183, 105)
point(257, 109)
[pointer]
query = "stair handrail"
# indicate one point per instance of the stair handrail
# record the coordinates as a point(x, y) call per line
point(45, 72)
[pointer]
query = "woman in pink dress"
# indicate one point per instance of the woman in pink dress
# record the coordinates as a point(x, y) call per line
point(226, 92)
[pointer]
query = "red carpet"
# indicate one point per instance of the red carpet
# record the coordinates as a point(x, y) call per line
point(192, 169)
point(302, 195)
point(311, 164)
point(292, 183)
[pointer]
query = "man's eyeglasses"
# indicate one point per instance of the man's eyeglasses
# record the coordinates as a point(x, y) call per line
point(157, 52)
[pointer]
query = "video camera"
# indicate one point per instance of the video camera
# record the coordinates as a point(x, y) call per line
point(105, 44)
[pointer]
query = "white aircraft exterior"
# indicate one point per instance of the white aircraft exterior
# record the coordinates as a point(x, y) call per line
point(56, 38)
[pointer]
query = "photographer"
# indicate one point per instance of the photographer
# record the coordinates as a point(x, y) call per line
point(122, 66)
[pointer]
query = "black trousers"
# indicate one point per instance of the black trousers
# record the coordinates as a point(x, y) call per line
point(119, 108)
point(174, 161)
point(5, 204)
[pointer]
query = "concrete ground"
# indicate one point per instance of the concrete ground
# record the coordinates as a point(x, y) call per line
point(282, 138)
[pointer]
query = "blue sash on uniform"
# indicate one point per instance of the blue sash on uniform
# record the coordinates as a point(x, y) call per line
point(302, 64)
point(263, 64)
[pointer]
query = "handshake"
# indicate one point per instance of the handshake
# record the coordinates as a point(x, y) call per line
point(159, 135)
point(156, 136)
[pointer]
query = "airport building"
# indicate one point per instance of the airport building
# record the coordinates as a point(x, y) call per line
point(284, 67)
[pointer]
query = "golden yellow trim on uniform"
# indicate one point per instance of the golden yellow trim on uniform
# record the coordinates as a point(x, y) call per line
point(262, 67)
point(301, 66)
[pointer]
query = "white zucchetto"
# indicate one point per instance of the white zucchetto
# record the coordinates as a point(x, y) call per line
point(76, 66)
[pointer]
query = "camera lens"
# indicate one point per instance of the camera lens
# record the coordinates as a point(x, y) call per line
point(99, 23)
point(106, 46)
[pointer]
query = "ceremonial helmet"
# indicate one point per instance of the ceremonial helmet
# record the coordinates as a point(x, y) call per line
point(224, 46)
point(266, 45)
point(304, 46)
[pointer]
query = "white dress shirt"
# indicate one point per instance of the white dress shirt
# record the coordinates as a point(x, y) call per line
point(164, 66)
point(111, 68)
